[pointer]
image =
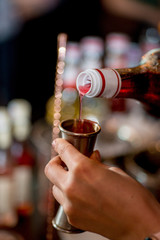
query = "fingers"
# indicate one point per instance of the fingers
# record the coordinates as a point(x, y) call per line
point(55, 172)
point(96, 156)
point(67, 152)
point(118, 170)
point(58, 194)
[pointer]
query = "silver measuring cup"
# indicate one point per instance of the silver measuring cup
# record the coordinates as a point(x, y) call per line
point(82, 134)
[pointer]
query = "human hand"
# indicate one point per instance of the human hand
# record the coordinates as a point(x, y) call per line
point(28, 9)
point(99, 198)
point(137, 10)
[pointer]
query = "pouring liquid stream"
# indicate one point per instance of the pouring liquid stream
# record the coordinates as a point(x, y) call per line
point(83, 127)
point(83, 89)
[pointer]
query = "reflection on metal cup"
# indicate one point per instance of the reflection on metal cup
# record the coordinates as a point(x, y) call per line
point(82, 134)
point(61, 223)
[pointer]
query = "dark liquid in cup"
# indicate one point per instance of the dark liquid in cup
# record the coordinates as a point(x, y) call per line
point(81, 126)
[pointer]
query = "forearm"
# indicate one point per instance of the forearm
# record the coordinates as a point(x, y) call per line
point(28, 9)
point(133, 10)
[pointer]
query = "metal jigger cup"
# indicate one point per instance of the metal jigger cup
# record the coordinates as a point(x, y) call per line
point(85, 143)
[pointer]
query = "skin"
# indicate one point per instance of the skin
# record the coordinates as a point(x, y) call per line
point(99, 198)
point(29, 9)
point(132, 9)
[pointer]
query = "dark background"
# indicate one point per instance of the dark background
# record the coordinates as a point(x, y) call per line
point(28, 60)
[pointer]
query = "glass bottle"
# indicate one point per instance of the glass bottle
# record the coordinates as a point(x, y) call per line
point(22, 154)
point(8, 216)
point(140, 82)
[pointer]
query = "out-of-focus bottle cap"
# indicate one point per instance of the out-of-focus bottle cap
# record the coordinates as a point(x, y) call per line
point(4, 118)
point(5, 128)
point(20, 113)
point(92, 46)
point(73, 53)
point(117, 42)
point(19, 108)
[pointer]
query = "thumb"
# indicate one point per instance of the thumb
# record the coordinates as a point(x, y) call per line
point(96, 156)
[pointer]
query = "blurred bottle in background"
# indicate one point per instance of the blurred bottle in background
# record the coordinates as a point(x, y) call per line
point(72, 61)
point(8, 216)
point(71, 71)
point(134, 54)
point(116, 50)
point(92, 51)
point(22, 154)
point(116, 56)
point(149, 39)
